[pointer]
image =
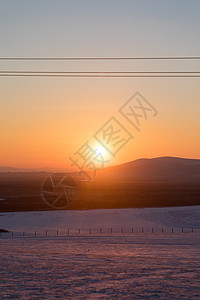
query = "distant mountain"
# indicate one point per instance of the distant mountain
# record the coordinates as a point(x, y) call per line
point(173, 169)
point(162, 168)
point(46, 169)
point(11, 169)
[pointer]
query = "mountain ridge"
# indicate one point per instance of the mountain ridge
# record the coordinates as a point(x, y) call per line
point(167, 168)
point(160, 168)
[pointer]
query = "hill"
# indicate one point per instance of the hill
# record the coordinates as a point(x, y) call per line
point(157, 182)
point(172, 169)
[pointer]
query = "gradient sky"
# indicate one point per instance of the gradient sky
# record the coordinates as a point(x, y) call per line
point(45, 120)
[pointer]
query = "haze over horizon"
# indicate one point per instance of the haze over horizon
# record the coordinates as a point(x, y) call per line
point(164, 169)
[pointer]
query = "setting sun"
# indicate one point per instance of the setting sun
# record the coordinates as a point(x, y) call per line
point(100, 151)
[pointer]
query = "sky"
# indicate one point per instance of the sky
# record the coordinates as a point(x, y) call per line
point(44, 121)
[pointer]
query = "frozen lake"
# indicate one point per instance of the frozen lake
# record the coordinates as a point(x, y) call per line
point(102, 266)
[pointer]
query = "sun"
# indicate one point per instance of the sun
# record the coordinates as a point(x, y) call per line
point(100, 151)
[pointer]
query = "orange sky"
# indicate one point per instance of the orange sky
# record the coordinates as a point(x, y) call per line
point(44, 121)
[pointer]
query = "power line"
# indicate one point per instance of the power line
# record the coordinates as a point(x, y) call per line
point(99, 72)
point(99, 76)
point(103, 58)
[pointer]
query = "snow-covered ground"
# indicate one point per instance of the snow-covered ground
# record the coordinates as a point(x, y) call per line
point(101, 266)
point(177, 217)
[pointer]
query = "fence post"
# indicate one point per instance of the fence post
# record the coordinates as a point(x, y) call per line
point(12, 233)
point(46, 232)
point(152, 230)
point(57, 232)
point(110, 230)
point(100, 230)
point(122, 230)
point(192, 230)
point(23, 233)
point(132, 230)
point(142, 230)
point(90, 231)
point(172, 229)
point(35, 233)
point(79, 231)
point(68, 231)
point(182, 229)
point(162, 230)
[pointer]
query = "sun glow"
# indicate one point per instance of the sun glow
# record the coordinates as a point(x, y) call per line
point(100, 151)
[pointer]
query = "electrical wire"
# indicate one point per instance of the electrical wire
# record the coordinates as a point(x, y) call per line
point(99, 76)
point(104, 58)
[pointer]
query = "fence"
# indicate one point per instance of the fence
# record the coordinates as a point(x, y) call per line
point(98, 231)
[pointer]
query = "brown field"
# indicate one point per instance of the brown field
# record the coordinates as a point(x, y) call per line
point(22, 192)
